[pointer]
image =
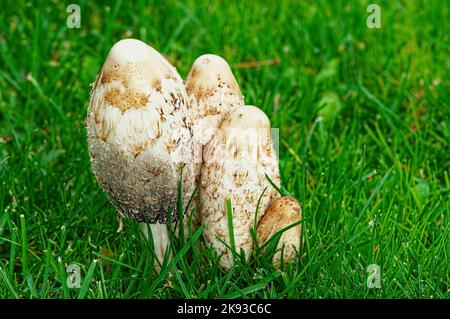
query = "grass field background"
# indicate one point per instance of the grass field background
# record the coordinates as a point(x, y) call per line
point(364, 146)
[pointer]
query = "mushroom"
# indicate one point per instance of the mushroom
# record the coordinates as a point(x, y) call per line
point(213, 93)
point(235, 164)
point(139, 133)
point(282, 213)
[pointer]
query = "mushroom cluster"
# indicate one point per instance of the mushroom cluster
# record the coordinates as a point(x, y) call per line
point(146, 127)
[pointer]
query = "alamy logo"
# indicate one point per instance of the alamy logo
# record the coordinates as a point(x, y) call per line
point(374, 277)
point(374, 20)
point(73, 276)
point(74, 19)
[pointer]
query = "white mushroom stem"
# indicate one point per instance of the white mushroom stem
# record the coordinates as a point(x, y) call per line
point(120, 228)
point(161, 242)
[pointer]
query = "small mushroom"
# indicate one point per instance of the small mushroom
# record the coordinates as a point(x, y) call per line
point(139, 133)
point(282, 213)
point(213, 93)
point(235, 163)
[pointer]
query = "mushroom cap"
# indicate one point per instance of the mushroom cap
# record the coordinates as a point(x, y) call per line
point(213, 92)
point(140, 132)
point(208, 72)
point(246, 134)
point(281, 213)
point(249, 116)
point(136, 63)
point(235, 163)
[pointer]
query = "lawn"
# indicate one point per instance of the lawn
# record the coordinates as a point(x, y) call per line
point(364, 144)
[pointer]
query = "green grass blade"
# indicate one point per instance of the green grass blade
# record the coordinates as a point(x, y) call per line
point(4, 276)
point(87, 280)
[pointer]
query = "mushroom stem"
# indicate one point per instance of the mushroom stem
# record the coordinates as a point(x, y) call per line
point(161, 242)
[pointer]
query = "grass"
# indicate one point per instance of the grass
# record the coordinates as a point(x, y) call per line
point(364, 146)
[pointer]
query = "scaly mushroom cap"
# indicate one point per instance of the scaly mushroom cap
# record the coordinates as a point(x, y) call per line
point(140, 133)
point(213, 93)
point(235, 163)
point(282, 213)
